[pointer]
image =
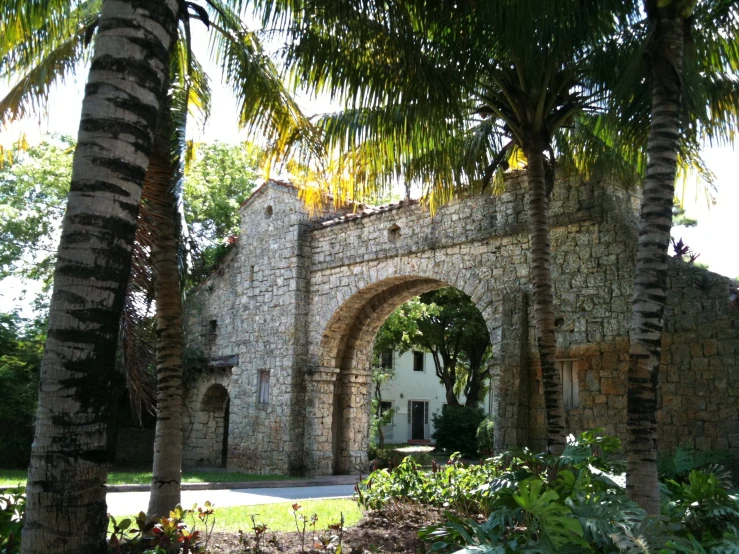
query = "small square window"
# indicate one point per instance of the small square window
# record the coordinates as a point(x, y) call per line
point(264, 387)
point(418, 361)
point(386, 359)
point(570, 388)
point(211, 333)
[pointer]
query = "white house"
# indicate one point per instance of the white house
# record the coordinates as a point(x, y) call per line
point(416, 393)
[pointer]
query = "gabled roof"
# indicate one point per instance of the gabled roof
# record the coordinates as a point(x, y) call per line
point(264, 186)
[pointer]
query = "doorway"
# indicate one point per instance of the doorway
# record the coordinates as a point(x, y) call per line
point(419, 413)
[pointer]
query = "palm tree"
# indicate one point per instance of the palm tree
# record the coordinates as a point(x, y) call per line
point(444, 95)
point(692, 98)
point(65, 509)
point(264, 105)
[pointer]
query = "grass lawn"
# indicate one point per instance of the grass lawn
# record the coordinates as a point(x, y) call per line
point(279, 517)
point(13, 477)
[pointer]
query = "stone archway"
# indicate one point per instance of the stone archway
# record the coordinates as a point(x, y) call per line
point(338, 391)
point(206, 422)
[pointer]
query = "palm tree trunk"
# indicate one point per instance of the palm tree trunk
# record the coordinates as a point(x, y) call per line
point(650, 279)
point(543, 300)
point(66, 510)
point(162, 207)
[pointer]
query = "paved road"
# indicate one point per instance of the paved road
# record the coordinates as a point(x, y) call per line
point(127, 503)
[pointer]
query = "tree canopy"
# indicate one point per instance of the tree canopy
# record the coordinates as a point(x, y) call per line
point(217, 182)
point(34, 182)
point(21, 346)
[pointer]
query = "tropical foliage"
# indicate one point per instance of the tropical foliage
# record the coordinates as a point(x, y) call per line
point(12, 510)
point(186, 531)
point(520, 501)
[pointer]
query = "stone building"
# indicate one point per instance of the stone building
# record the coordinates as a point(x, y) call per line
point(287, 324)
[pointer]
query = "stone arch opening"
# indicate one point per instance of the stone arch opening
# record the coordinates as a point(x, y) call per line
point(338, 390)
point(208, 437)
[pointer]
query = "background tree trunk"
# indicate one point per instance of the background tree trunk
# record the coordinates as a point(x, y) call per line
point(543, 299)
point(650, 278)
point(66, 510)
point(162, 206)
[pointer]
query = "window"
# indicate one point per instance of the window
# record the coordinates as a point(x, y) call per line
point(393, 233)
point(386, 359)
point(418, 361)
point(568, 376)
point(385, 407)
point(264, 387)
point(211, 332)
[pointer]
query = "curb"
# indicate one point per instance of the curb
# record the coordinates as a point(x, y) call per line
point(230, 485)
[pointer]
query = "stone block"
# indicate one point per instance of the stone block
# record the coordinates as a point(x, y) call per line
point(612, 386)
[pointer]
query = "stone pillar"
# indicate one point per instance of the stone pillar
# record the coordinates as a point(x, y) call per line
point(319, 406)
point(354, 423)
point(512, 413)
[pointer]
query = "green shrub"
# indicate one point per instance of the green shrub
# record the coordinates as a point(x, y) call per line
point(454, 485)
point(456, 429)
point(485, 437)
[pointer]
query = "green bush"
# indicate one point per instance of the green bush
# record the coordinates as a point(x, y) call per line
point(486, 437)
point(454, 485)
point(456, 429)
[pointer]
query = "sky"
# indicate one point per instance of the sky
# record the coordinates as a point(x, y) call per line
point(714, 238)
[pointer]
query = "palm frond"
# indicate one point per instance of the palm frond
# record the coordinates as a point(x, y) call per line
point(60, 57)
point(29, 29)
point(264, 103)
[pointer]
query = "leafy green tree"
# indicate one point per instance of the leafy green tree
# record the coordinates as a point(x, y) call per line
point(446, 323)
point(218, 181)
point(21, 347)
point(34, 182)
point(458, 338)
point(380, 417)
point(400, 330)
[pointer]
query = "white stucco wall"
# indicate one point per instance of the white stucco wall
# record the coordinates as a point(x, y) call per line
point(409, 385)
